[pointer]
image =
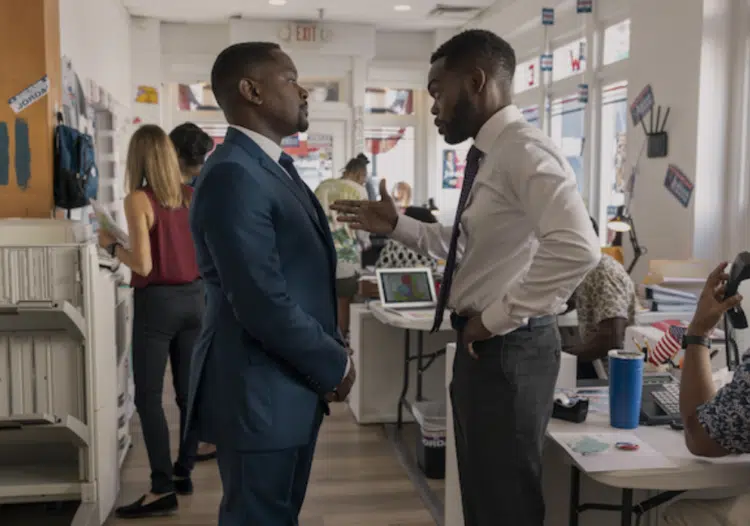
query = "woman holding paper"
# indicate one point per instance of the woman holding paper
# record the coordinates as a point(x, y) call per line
point(169, 304)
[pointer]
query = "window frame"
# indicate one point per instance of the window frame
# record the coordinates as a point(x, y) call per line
point(569, 27)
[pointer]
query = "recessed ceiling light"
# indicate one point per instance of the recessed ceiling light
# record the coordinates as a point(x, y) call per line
point(402, 7)
point(277, 2)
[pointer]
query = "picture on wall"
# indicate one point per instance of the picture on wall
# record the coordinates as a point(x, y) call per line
point(453, 169)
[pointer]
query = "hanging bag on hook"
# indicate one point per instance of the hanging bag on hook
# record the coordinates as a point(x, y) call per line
point(75, 175)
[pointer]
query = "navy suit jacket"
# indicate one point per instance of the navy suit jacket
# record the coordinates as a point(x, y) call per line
point(270, 349)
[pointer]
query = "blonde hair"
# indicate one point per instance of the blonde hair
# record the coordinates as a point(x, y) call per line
point(152, 161)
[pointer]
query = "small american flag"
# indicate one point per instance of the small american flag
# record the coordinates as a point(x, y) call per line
point(668, 345)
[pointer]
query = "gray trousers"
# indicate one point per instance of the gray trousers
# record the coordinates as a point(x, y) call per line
point(502, 403)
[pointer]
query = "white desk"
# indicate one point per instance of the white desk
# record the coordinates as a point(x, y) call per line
point(691, 473)
point(378, 354)
point(423, 360)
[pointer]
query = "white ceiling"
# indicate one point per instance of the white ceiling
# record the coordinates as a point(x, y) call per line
point(377, 12)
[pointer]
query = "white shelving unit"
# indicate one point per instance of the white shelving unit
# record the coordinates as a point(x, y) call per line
point(59, 358)
point(125, 387)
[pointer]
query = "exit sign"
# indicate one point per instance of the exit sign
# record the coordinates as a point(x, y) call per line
point(305, 33)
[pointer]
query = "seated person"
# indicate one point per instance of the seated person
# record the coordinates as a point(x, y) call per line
point(396, 255)
point(605, 302)
point(716, 424)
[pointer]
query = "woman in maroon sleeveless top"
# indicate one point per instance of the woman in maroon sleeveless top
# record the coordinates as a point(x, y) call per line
point(168, 308)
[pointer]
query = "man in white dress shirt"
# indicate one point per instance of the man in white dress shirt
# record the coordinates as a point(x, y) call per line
point(521, 244)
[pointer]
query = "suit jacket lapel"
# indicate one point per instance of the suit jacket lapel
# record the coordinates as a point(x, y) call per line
point(306, 198)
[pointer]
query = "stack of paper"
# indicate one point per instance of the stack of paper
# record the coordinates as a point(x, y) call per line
point(667, 299)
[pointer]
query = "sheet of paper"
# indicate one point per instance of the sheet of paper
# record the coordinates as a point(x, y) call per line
point(607, 457)
point(107, 222)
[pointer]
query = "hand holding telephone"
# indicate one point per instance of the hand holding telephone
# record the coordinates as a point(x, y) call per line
point(740, 272)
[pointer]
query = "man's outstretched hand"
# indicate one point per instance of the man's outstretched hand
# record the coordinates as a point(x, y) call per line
point(376, 217)
point(342, 391)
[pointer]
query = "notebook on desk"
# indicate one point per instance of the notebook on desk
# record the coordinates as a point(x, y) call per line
point(406, 289)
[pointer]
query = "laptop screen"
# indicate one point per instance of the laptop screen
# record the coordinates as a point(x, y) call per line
point(408, 286)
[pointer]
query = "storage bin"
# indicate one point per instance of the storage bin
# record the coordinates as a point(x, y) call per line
point(430, 416)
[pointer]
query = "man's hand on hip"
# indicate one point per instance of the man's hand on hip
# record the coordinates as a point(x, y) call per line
point(474, 331)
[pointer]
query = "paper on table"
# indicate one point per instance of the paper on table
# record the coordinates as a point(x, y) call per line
point(613, 459)
point(107, 222)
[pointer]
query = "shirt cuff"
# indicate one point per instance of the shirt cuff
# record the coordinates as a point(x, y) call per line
point(348, 366)
point(499, 321)
point(406, 231)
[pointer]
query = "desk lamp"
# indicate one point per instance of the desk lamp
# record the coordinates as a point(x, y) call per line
point(623, 222)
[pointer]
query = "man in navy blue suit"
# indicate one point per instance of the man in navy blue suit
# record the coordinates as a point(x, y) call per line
point(270, 357)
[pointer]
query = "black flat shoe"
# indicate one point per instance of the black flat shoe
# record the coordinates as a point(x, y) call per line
point(183, 486)
point(166, 505)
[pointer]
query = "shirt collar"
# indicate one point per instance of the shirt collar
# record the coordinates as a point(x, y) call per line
point(492, 129)
point(269, 147)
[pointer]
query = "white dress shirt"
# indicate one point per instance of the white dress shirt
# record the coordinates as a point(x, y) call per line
point(526, 238)
point(274, 151)
point(269, 147)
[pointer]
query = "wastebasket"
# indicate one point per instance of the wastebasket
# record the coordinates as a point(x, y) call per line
point(431, 439)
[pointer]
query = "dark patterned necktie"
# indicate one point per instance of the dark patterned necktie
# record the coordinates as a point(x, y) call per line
point(470, 173)
point(287, 163)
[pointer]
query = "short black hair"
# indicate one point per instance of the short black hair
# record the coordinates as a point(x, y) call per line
point(480, 48)
point(420, 213)
point(235, 62)
point(359, 162)
point(192, 143)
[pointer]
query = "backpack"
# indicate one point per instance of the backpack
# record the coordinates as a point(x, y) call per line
point(75, 175)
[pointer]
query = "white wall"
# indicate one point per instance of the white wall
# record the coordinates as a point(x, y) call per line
point(404, 45)
point(95, 34)
point(691, 76)
point(694, 75)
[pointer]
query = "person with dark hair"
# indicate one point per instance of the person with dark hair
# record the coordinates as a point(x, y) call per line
point(348, 242)
point(525, 243)
point(192, 145)
point(270, 358)
point(168, 308)
point(605, 303)
point(398, 255)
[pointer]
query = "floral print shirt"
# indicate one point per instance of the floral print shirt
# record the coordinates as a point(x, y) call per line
point(726, 418)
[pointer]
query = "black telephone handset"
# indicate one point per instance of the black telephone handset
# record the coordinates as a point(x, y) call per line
point(740, 272)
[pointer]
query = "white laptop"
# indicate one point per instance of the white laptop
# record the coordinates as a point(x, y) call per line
point(406, 288)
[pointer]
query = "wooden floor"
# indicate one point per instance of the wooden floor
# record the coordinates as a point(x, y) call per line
point(356, 481)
